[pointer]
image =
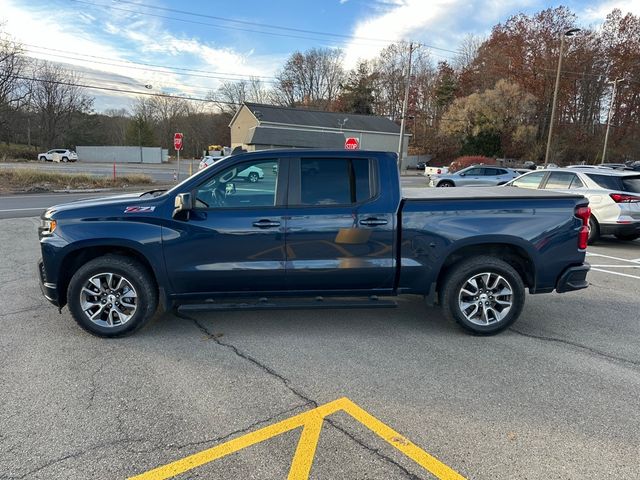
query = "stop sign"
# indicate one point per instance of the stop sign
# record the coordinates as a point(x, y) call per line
point(352, 143)
point(177, 141)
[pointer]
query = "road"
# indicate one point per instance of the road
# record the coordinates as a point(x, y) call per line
point(27, 205)
point(162, 173)
point(555, 396)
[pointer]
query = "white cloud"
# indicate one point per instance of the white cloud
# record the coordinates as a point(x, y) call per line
point(441, 23)
point(121, 37)
point(599, 12)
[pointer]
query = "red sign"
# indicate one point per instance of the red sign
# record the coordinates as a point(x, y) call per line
point(352, 143)
point(177, 141)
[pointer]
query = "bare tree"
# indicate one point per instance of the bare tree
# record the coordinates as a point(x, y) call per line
point(55, 98)
point(14, 89)
point(312, 78)
point(230, 95)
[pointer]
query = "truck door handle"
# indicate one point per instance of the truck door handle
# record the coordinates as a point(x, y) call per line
point(264, 223)
point(372, 222)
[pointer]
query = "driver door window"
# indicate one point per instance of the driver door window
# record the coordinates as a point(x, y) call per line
point(244, 185)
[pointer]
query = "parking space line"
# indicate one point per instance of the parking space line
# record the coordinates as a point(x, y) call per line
point(616, 266)
point(616, 273)
point(612, 258)
point(312, 422)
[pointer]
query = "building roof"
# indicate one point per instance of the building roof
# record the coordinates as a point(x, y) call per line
point(286, 137)
point(321, 119)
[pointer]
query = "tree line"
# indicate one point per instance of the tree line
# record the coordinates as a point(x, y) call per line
point(494, 98)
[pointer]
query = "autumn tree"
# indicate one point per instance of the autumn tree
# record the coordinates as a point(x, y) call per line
point(14, 89)
point(232, 94)
point(495, 122)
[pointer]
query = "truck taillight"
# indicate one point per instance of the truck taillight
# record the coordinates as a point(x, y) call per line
point(583, 213)
point(623, 198)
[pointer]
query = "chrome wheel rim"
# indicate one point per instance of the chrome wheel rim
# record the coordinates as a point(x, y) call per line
point(485, 299)
point(108, 300)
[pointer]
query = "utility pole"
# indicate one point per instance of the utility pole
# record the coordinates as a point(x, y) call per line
point(568, 33)
point(613, 99)
point(404, 109)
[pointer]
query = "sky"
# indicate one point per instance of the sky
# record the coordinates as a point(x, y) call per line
point(190, 48)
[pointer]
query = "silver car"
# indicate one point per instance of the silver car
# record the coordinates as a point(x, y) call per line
point(478, 175)
point(614, 196)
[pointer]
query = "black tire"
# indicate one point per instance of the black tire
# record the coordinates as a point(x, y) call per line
point(445, 183)
point(627, 237)
point(457, 277)
point(594, 231)
point(133, 272)
point(42, 158)
point(65, 159)
point(253, 177)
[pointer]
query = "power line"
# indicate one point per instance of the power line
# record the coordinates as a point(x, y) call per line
point(146, 69)
point(266, 25)
point(379, 42)
point(110, 89)
point(143, 64)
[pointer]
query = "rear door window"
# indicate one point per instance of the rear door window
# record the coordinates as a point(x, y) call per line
point(559, 181)
point(474, 171)
point(335, 181)
point(531, 180)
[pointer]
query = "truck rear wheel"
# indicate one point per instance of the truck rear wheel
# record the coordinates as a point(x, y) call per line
point(112, 296)
point(483, 294)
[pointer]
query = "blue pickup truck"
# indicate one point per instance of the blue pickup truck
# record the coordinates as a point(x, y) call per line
point(314, 229)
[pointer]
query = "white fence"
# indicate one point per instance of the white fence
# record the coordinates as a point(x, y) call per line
point(90, 154)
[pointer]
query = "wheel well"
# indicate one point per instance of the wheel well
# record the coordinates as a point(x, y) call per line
point(77, 258)
point(515, 256)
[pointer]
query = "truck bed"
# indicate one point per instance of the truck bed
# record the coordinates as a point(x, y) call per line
point(480, 193)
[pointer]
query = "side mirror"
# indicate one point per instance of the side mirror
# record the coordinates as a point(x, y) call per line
point(182, 203)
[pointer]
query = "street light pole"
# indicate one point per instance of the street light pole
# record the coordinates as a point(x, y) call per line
point(568, 33)
point(404, 109)
point(613, 99)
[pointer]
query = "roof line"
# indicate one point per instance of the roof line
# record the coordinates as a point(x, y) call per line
point(322, 128)
point(316, 110)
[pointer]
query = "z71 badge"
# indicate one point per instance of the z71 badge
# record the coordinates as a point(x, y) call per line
point(139, 209)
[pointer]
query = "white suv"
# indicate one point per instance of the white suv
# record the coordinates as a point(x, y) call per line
point(58, 154)
point(614, 196)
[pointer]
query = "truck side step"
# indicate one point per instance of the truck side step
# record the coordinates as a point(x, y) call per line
point(287, 304)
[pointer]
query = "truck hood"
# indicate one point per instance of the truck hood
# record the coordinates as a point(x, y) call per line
point(124, 200)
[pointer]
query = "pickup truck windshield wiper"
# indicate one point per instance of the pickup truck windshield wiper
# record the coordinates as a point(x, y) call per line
point(154, 193)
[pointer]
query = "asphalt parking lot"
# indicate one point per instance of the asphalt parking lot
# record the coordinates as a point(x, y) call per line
point(556, 396)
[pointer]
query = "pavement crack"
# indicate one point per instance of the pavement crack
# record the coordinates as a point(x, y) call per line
point(580, 346)
point(287, 383)
point(226, 436)
point(69, 456)
point(22, 310)
point(94, 385)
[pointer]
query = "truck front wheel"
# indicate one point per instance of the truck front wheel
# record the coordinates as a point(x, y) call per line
point(483, 294)
point(112, 296)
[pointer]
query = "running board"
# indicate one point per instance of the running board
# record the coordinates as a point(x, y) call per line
point(287, 304)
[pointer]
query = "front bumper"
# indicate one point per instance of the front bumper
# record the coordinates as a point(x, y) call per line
point(573, 278)
point(49, 290)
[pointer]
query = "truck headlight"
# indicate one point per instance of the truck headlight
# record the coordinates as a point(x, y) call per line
point(47, 226)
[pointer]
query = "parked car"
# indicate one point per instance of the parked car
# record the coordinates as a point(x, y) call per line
point(62, 154)
point(312, 232)
point(208, 160)
point(474, 176)
point(421, 165)
point(251, 174)
point(590, 167)
point(614, 197)
point(543, 167)
point(430, 171)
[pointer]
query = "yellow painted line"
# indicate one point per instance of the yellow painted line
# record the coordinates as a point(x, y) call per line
point(311, 423)
point(306, 450)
